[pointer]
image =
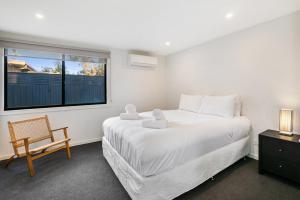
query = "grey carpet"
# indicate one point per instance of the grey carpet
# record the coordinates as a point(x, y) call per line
point(88, 176)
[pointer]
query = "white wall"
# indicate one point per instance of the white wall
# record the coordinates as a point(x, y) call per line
point(143, 87)
point(262, 64)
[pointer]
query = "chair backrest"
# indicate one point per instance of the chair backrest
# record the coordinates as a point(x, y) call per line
point(37, 129)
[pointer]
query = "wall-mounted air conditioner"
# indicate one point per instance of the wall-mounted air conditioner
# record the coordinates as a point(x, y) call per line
point(142, 61)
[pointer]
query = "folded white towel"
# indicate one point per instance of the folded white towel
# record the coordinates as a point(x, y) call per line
point(158, 114)
point(129, 116)
point(158, 122)
point(130, 108)
point(155, 124)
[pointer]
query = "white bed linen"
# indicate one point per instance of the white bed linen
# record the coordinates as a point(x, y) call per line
point(189, 136)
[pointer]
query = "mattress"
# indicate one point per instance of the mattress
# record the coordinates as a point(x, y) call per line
point(189, 136)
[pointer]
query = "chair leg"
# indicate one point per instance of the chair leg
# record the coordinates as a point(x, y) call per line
point(30, 165)
point(68, 151)
point(9, 161)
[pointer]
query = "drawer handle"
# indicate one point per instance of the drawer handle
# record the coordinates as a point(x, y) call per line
point(280, 150)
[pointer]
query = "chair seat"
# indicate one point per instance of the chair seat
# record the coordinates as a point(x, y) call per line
point(48, 145)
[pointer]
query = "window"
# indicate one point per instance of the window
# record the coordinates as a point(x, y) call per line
point(35, 79)
point(84, 80)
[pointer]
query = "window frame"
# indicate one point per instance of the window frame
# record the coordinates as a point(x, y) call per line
point(63, 104)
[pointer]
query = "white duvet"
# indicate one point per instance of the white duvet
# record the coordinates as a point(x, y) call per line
point(189, 136)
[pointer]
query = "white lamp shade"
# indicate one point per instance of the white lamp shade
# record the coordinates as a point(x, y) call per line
point(286, 121)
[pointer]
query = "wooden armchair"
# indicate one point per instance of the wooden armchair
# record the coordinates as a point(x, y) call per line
point(26, 132)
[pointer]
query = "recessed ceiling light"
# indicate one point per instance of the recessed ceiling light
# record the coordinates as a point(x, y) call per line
point(167, 43)
point(229, 15)
point(39, 15)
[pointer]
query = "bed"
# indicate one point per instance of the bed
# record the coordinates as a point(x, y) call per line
point(165, 163)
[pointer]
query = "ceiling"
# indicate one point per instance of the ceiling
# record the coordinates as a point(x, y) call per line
point(141, 25)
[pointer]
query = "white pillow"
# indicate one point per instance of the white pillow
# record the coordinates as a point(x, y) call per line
point(190, 102)
point(238, 106)
point(223, 106)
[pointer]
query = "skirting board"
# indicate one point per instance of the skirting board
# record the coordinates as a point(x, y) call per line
point(254, 156)
point(76, 143)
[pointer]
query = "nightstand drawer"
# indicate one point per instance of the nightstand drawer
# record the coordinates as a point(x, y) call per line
point(279, 154)
point(281, 167)
point(281, 150)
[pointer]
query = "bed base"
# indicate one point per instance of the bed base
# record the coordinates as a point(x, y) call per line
point(172, 183)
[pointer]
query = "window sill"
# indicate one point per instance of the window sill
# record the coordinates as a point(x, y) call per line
point(55, 109)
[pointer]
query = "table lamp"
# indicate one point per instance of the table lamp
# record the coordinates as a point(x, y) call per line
point(286, 122)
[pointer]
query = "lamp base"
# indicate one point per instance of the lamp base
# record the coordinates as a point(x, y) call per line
point(286, 133)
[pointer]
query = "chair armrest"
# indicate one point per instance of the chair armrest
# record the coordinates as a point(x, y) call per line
point(58, 129)
point(64, 131)
point(18, 140)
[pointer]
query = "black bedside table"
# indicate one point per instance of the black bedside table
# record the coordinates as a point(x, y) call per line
point(279, 154)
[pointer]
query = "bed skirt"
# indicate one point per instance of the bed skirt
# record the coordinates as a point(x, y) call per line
point(176, 181)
